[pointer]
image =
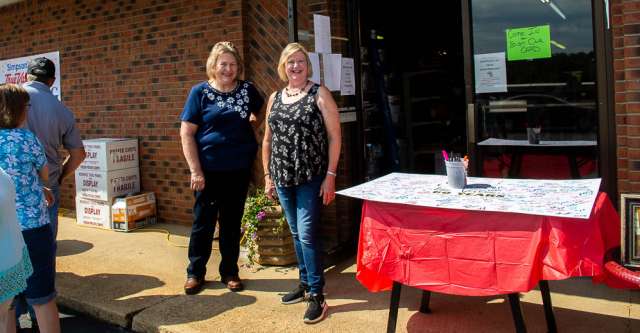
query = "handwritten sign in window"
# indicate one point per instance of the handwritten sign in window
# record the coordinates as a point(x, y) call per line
point(529, 43)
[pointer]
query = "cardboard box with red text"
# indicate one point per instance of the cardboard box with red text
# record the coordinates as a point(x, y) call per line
point(109, 154)
point(104, 186)
point(93, 213)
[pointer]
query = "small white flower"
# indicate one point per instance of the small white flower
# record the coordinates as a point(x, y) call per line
point(211, 96)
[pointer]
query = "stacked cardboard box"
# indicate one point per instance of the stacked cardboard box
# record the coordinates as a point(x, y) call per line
point(133, 212)
point(111, 169)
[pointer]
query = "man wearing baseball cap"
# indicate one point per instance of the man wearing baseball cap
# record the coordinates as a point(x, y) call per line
point(55, 127)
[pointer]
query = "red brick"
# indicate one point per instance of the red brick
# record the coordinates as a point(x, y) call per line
point(126, 71)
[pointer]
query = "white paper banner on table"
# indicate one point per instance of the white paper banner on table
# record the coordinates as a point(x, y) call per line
point(322, 33)
point(315, 67)
point(563, 198)
point(490, 72)
point(331, 66)
point(347, 78)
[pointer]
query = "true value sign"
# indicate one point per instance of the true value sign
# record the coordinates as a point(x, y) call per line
point(15, 70)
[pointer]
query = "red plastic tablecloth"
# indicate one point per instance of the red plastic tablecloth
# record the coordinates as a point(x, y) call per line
point(479, 253)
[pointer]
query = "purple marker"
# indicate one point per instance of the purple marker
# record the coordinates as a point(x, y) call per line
point(445, 155)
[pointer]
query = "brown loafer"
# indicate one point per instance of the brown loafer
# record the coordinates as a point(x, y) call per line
point(233, 283)
point(193, 285)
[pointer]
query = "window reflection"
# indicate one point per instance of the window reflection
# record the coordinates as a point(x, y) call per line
point(556, 93)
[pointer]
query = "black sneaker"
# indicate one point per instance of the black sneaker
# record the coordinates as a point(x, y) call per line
point(296, 295)
point(316, 309)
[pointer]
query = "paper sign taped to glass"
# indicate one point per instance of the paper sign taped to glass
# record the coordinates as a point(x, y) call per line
point(572, 198)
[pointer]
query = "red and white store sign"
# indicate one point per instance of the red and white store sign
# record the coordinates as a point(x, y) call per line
point(15, 70)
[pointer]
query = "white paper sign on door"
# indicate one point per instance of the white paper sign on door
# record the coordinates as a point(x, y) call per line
point(322, 33)
point(315, 67)
point(490, 72)
point(347, 78)
point(332, 66)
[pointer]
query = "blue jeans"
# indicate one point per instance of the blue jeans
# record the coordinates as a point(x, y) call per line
point(301, 205)
point(22, 306)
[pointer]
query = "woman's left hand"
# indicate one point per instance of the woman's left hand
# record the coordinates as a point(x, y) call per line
point(328, 189)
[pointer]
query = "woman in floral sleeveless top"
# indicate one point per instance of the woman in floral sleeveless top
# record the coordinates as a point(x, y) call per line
point(300, 154)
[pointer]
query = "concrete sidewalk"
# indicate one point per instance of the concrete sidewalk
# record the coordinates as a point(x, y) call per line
point(135, 280)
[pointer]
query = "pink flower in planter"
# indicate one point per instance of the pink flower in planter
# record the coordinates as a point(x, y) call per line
point(261, 215)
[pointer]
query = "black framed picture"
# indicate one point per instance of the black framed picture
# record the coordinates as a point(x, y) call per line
point(630, 216)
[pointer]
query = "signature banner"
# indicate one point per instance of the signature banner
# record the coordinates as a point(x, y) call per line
point(563, 198)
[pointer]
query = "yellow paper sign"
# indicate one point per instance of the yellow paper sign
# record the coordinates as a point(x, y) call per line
point(529, 43)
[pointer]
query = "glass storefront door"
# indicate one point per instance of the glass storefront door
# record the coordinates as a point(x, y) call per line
point(534, 88)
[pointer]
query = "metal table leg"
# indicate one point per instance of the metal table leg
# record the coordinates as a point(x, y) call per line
point(424, 304)
point(393, 307)
point(548, 307)
point(516, 312)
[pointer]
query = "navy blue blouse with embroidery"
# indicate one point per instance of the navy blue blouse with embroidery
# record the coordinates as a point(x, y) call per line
point(225, 138)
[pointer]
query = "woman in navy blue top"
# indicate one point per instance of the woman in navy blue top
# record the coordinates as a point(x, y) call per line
point(219, 144)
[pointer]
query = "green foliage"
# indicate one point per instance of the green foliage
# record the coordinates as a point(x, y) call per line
point(256, 210)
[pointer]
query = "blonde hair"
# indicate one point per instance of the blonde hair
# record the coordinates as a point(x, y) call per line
point(13, 100)
point(216, 51)
point(290, 49)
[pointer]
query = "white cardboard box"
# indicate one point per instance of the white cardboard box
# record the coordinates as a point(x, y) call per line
point(133, 212)
point(109, 154)
point(93, 213)
point(104, 186)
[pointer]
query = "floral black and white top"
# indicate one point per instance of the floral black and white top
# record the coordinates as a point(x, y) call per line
point(299, 140)
point(225, 138)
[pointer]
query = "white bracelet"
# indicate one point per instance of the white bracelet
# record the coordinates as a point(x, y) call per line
point(331, 173)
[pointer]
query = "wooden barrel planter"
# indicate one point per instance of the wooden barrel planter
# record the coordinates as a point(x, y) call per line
point(274, 240)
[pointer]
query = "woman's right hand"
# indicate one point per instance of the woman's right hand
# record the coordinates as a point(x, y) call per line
point(197, 181)
point(269, 188)
point(48, 196)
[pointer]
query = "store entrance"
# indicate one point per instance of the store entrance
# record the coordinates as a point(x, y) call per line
point(412, 86)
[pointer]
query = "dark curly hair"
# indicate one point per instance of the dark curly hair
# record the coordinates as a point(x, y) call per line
point(13, 102)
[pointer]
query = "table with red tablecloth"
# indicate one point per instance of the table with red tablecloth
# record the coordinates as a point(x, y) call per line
point(470, 252)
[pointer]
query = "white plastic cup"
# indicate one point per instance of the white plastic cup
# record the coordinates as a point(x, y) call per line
point(456, 174)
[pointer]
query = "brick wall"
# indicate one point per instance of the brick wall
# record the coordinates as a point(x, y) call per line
point(626, 54)
point(266, 33)
point(127, 67)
